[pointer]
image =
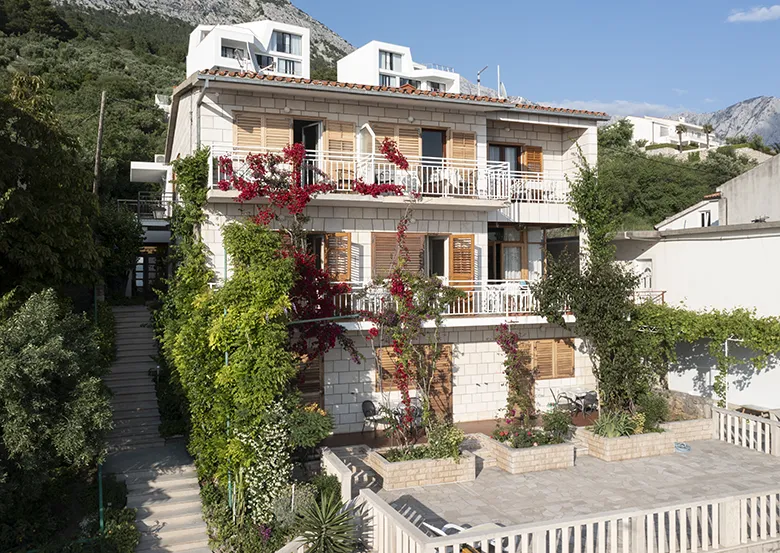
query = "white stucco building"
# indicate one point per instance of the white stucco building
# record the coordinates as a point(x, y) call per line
point(266, 47)
point(491, 176)
point(384, 64)
point(656, 130)
point(732, 263)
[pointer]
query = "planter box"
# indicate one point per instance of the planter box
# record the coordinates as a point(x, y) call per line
point(629, 447)
point(689, 431)
point(529, 459)
point(422, 472)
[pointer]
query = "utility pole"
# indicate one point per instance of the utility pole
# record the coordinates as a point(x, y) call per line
point(99, 144)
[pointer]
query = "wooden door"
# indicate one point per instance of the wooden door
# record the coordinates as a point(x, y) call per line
point(310, 381)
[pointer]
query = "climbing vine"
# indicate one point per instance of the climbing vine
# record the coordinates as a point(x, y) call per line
point(520, 376)
point(663, 327)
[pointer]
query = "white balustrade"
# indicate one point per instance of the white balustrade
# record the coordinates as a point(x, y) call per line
point(427, 176)
point(745, 430)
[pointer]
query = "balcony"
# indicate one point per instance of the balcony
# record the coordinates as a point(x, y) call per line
point(470, 183)
point(148, 206)
point(491, 300)
point(652, 296)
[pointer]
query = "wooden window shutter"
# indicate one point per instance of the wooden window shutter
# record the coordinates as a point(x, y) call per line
point(409, 140)
point(383, 252)
point(462, 257)
point(278, 132)
point(533, 159)
point(464, 145)
point(382, 131)
point(564, 358)
point(338, 247)
point(340, 136)
point(544, 359)
point(385, 378)
point(311, 379)
point(248, 129)
point(415, 243)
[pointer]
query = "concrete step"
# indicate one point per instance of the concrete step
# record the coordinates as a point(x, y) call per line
point(119, 379)
point(134, 431)
point(146, 479)
point(129, 414)
point(186, 488)
point(138, 418)
point(135, 357)
point(133, 339)
point(172, 506)
point(122, 406)
point(182, 542)
point(170, 522)
point(140, 348)
point(129, 389)
point(130, 369)
point(127, 445)
point(140, 396)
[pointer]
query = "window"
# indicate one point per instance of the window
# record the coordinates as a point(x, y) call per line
point(509, 154)
point(414, 83)
point(706, 218)
point(232, 52)
point(332, 252)
point(550, 358)
point(288, 67)
point(287, 43)
point(389, 61)
point(433, 85)
point(435, 255)
point(265, 61)
point(387, 80)
point(663, 131)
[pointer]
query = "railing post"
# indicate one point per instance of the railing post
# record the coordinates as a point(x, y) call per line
point(774, 439)
point(638, 534)
point(729, 523)
point(715, 425)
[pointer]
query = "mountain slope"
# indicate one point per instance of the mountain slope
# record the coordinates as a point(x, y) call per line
point(760, 115)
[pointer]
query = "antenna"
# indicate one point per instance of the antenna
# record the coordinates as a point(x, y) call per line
point(498, 70)
point(479, 80)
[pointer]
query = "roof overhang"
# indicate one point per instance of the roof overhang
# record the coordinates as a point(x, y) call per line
point(148, 171)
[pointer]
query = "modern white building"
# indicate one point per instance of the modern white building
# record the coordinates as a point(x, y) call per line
point(728, 264)
point(656, 130)
point(383, 64)
point(491, 176)
point(265, 47)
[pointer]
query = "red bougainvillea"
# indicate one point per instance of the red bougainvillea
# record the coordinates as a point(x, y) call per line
point(389, 149)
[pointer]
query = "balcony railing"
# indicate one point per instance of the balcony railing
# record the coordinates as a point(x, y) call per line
point(653, 296)
point(428, 176)
point(148, 205)
point(498, 298)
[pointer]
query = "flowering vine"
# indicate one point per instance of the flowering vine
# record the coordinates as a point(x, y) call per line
point(520, 377)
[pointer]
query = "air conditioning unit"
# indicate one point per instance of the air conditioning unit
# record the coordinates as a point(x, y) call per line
point(159, 158)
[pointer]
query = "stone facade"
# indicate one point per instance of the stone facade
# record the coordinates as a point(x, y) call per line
point(629, 447)
point(528, 459)
point(478, 380)
point(689, 431)
point(422, 472)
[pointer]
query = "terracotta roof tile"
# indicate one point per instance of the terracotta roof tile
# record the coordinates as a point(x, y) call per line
point(406, 89)
point(713, 196)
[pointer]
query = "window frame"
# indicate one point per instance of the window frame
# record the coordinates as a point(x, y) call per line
point(277, 35)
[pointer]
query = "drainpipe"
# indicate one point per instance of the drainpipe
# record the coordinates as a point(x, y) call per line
point(198, 102)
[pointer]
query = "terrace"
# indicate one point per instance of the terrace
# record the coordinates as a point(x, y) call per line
point(720, 495)
point(430, 177)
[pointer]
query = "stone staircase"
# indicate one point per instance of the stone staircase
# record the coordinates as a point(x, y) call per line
point(136, 418)
point(162, 483)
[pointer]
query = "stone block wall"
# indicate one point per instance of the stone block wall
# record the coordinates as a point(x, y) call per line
point(689, 431)
point(529, 459)
point(422, 472)
point(629, 447)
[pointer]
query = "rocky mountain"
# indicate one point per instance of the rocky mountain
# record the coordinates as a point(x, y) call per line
point(760, 115)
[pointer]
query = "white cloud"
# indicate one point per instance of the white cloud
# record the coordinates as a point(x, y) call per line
point(759, 14)
point(618, 107)
point(679, 91)
point(709, 100)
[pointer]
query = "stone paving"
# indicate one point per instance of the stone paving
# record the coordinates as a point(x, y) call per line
point(711, 470)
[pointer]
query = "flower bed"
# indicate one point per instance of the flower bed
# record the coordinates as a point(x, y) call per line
point(422, 472)
point(528, 459)
point(650, 444)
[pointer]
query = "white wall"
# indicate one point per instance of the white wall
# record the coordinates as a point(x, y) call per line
point(709, 269)
point(753, 194)
point(692, 217)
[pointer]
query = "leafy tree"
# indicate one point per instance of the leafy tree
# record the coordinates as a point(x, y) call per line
point(18, 17)
point(54, 413)
point(120, 236)
point(617, 135)
point(47, 239)
point(680, 130)
point(707, 128)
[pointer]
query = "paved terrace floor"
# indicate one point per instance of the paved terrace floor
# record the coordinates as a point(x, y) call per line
point(711, 470)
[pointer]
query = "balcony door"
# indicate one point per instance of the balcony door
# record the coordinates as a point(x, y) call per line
point(511, 154)
point(507, 254)
point(309, 133)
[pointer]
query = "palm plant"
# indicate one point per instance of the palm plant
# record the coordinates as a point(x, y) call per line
point(707, 128)
point(680, 129)
point(327, 527)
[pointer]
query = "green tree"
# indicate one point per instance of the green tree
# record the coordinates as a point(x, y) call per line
point(680, 130)
point(47, 239)
point(617, 135)
point(120, 235)
point(707, 128)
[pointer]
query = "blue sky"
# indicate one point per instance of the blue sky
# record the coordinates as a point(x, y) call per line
point(620, 56)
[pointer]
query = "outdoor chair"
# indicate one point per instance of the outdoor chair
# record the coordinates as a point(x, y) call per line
point(566, 403)
point(590, 402)
point(370, 415)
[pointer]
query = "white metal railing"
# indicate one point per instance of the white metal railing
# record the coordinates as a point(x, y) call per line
point(505, 298)
point(427, 176)
point(332, 465)
point(687, 527)
point(745, 430)
point(653, 296)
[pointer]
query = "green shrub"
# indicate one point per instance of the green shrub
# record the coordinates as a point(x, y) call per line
point(327, 527)
point(444, 440)
point(309, 425)
point(106, 333)
point(407, 453)
point(613, 425)
point(556, 424)
point(289, 505)
point(326, 484)
point(171, 401)
point(655, 408)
